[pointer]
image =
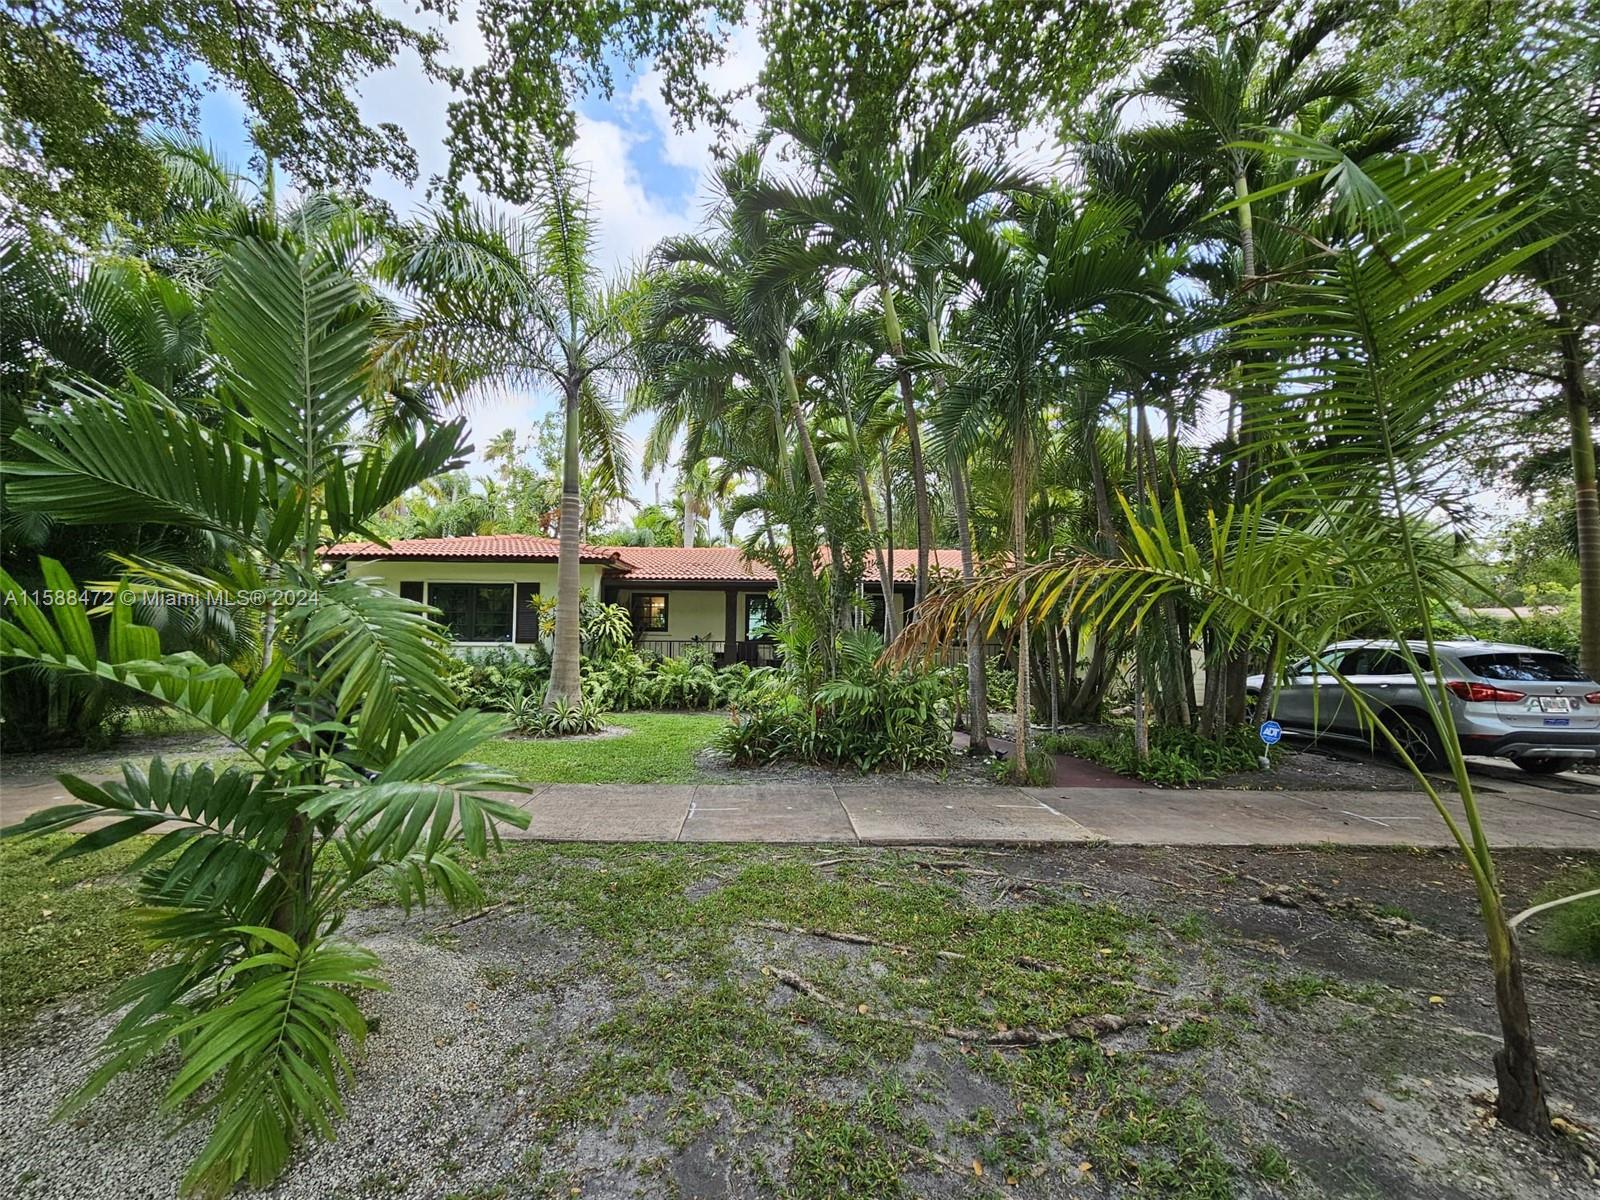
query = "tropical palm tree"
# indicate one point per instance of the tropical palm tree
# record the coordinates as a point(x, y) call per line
point(1385, 343)
point(1039, 288)
point(498, 301)
point(725, 317)
point(867, 212)
point(347, 744)
point(1228, 93)
point(1524, 97)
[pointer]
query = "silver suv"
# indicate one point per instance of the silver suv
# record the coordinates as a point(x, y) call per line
point(1532, 706)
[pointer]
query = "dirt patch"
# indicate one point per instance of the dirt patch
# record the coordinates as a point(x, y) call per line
point(174, 748)
point(1298, 1024)
point(1308, 769)
point(599, 735)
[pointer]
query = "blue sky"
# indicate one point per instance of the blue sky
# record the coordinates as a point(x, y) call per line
point(647, 177)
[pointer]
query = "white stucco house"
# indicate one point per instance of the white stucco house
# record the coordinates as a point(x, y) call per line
point(681, 597)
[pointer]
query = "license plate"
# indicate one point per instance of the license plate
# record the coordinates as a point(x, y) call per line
point(1554, 704)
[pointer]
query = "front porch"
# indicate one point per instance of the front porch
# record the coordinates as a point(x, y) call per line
point(757, 652)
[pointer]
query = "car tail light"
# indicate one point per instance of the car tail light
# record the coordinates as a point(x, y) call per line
point(1483, 693)
point(1593, 697)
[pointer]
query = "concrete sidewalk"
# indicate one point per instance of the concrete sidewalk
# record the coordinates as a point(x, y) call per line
point(888, 812)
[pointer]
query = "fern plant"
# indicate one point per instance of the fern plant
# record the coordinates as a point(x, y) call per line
point(351, 748)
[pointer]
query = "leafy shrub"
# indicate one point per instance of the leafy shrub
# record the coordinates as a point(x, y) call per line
point(492, 678)
point(1557, 631)
point(1041, 769)
point(603, 629)
point(687, 682)
point(871, 717)
point(1002, 683)
point(619, 683)
point(509, 679)
point(563, 719)
point(628, 680)
point(1178, 757)
point(1573, 930)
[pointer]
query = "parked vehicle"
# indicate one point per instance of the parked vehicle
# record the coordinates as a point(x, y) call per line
point(1535, 707)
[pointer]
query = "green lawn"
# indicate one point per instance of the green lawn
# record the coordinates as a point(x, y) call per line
point(659, 748)
point(65, 927)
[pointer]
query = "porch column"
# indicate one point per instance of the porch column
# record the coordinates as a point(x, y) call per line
point(731, 610)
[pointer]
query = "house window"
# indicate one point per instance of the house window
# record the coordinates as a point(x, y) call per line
point(475, 612)
point(760, 617)
point(649, 612)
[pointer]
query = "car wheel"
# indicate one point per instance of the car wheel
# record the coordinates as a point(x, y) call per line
point(1541, 766)
point(1417, 737)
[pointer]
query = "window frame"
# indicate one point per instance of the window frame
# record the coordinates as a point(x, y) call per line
point(1521, 671)
point(769, 607)
point(639, 627)
point(469, 618)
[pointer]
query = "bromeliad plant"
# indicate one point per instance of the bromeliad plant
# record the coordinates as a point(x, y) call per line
point(350, 747)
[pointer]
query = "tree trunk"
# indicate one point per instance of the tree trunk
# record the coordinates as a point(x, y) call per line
point(565, 681)
point(1053, 665)
point(1019, 541)
point(819, 486)
point(1141, 716)
point(919, 473)
point(1586, 499)
point(780, 437)
point(1090, 694)
point(294, 871)
point(891, 614)
point(1236, 665)
point(977, 683)
point(1522, 1104)
point(891, 623)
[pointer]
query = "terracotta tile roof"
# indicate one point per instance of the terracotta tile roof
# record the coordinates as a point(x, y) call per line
point(905, 563)
point(715, 564)
point(727, 564)
point(507, 547)
point(638, 564)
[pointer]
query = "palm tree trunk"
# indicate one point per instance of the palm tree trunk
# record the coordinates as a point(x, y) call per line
point(1520, 1090)
point(919, 472)
point(1141, 712)
point(1236, 666)
point(819, 485)
point(1019, 542)
point(889, 601)
point(1053, 665)
point(780, 437)
point(1141, 715)
point(1586, 499)
point(977, 683)
point(565, 682)
point(891, 622)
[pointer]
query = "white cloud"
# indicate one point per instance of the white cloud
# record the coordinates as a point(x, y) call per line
point(691, 148)
point(631, 218)
point(632, 215)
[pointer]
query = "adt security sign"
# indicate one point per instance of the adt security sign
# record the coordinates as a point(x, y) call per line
point(1271, 732)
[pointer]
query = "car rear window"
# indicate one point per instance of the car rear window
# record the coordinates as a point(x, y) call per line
point(1526, 666)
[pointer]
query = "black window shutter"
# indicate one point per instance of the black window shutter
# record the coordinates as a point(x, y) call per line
point(411, 589)
point(527, 618)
